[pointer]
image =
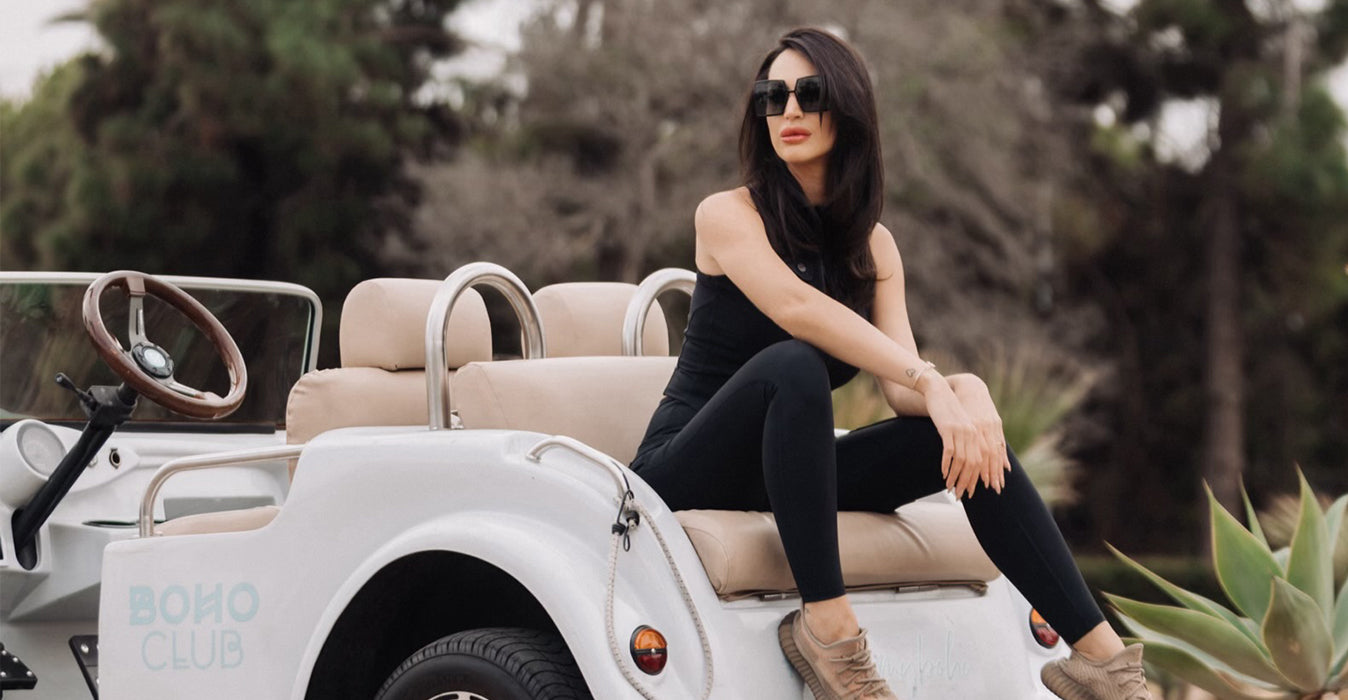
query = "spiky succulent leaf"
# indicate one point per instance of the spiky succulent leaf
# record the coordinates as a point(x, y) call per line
point(1338, 676)
point(1339, 628)
point(1334, 526)
point(1252, 517)
point(1184, 665)
point(1310, 563)
point(1334, 518)
point(1143, 632)
point(1297, 638)
point(1214, 636)
point(1191, 600)
point(1244, 565)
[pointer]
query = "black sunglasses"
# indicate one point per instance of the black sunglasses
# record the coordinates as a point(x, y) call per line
point(770, 96)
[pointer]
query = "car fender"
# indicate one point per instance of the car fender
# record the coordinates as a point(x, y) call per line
point(546, 523)
point(566, 575)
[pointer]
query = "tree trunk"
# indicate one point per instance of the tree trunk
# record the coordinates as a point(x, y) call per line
point(1224, 390)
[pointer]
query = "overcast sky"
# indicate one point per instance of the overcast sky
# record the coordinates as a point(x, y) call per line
point(31, 44)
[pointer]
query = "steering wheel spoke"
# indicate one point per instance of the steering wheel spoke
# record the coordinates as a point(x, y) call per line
point(135, 325)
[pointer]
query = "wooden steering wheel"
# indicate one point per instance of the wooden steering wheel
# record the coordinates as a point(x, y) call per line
point(146, 367)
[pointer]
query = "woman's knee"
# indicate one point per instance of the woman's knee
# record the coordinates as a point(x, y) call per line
point(794, 360)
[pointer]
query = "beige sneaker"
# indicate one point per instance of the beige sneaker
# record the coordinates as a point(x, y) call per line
point(842, 670)
point(1079, 678)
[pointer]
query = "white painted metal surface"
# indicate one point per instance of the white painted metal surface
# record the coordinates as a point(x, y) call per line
point(547, 524)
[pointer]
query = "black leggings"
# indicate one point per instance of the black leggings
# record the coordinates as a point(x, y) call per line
point(765, 442)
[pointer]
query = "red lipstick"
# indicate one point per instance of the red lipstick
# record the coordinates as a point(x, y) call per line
point(794, 134)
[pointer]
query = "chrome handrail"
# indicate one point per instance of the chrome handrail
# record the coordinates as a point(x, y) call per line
point(196, 462)
point(650, 289)
point(439, 400)
point(615, 470)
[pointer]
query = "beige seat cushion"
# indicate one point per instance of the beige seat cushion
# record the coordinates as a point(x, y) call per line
point(328, 399)
point(923, 542)
point(604, 402)
point(223, 521)
point(384, 325)
point(586, 318)
point(382, 380)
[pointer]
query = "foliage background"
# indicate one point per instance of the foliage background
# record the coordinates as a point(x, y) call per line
point(1035, 212)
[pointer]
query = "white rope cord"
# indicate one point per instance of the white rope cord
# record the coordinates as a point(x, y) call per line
point(630, 515)
point(632, 680)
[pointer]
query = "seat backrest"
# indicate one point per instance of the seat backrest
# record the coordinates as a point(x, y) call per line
point(605, 402)
point(582, 319)
point(581, 390)
point(382, 380)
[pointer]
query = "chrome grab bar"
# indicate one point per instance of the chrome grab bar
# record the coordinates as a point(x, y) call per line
point(439, 400)
point(650, 289)
point(615, 470)
point(218, 459)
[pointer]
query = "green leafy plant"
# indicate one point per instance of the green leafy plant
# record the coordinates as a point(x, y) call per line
point(1279, 520)
point(1035, 394)
point(1287, 636)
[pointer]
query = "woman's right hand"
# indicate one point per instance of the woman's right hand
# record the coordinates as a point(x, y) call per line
point(966, 458)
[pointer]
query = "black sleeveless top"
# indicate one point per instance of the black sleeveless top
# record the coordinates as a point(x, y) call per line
point(725, 330)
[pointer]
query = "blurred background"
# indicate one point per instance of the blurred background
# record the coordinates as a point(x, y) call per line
point(1131, 218)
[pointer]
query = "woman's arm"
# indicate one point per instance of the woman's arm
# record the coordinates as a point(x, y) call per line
point(890, 315)
point(731, 240)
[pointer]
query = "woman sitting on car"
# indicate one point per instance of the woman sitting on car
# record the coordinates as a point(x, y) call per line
point(798, 286)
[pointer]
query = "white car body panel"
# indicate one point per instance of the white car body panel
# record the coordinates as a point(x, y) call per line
point(365, 497)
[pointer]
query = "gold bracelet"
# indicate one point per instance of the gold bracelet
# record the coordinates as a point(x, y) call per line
point(918, 377)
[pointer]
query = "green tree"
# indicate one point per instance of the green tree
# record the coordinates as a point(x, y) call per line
point(1222, 275)
point(252, 138)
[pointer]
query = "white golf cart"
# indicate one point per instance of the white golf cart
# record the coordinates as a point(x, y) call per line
point(431, 523)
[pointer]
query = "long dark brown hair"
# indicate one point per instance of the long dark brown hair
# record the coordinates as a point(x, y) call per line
point(854, 186)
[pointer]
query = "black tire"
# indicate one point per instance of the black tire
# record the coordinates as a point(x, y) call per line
point(498, 663)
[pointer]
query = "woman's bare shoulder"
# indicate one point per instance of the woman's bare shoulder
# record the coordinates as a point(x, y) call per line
point(735, 204)
point(727, 216)
point(724, 220)
point(885, 251)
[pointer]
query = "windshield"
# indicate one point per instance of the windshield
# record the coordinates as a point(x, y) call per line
point(42, 333)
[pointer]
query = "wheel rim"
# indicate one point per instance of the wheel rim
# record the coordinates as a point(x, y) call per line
point(457, 695)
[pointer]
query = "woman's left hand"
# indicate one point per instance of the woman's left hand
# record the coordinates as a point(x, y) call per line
point(977, 401)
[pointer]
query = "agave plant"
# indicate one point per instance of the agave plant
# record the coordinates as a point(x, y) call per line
point(1287, 636)
point(1279, 519)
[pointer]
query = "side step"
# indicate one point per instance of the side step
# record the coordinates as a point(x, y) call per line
point(14, 675)
point(85, 649)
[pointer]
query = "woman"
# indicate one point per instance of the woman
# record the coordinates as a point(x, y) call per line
point(798, 285)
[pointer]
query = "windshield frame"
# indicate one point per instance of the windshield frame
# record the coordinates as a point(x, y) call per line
point(224, 284)
point(309, 357)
